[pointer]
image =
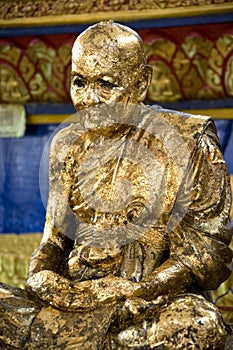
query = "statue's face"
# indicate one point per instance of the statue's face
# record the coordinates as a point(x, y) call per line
point(106, 68)
point(94, 81)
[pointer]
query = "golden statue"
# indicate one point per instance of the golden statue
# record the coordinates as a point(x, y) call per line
point(137, 227)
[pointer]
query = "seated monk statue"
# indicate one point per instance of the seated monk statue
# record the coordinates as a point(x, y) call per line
point(137, 228)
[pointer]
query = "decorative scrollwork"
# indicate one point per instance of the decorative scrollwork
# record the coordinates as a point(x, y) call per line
point(195, 67)
point(187, 65)
point(40, 8)
point(38, 73)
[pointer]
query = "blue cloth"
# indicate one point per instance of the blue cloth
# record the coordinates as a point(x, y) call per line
point(21, 207)
point(225, 134)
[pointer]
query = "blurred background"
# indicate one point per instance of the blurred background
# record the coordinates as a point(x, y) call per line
point(190, 46)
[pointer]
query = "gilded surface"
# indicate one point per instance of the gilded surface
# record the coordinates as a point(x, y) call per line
point(195, 68)
point(35, 74)
point(24, 8)
point(137, 227)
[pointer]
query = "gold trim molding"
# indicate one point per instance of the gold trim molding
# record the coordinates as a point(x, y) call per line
point(218, 113)
point(35, 13)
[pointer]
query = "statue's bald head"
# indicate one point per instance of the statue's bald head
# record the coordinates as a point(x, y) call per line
point(111, 41)
point(114, 53)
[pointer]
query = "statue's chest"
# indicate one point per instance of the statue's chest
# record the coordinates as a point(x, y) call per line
point(122, 184)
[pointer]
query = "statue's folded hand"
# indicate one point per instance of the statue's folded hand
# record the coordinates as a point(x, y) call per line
point(136, 310)
point(67, 295)
point(50, 287)
point(112, 289)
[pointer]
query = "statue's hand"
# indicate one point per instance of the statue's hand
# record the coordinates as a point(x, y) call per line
point(135, 310)
point(112, 289)
point(50, 287)
point(66, 295)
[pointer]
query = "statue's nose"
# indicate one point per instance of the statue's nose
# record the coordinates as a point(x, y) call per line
point(91, 97)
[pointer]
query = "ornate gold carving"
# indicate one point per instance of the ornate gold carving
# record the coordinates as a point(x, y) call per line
point(162, 47)
point(229, 77)
point(27, 68)
point(12, 87)
point(10, 54)
point(164, 86)
point(197, 49)
point(35, 74)
point(40, 8)
point(195, 67)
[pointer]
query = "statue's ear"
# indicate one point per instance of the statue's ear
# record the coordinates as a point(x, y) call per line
point(144, 82)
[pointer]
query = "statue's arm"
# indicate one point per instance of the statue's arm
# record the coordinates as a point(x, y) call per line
point(52, 252)
point(57, 241)
point(207, 224)
point(200, 257)
point(49, 258)
point(57, 237)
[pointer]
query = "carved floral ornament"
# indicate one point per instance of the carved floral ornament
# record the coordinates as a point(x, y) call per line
point(40, 8)
point(38, 69)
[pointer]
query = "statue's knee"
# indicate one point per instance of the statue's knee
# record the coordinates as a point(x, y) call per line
point(191, 322)
point(17, 313)
point(188, 323)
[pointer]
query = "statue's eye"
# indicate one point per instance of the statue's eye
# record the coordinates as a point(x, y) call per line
point(78, 82)
point(107, 84)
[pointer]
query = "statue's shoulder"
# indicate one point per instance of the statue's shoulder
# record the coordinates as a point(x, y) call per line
point(188, 125)
point(61, 134)
point(66, 136)
point(61, 142)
